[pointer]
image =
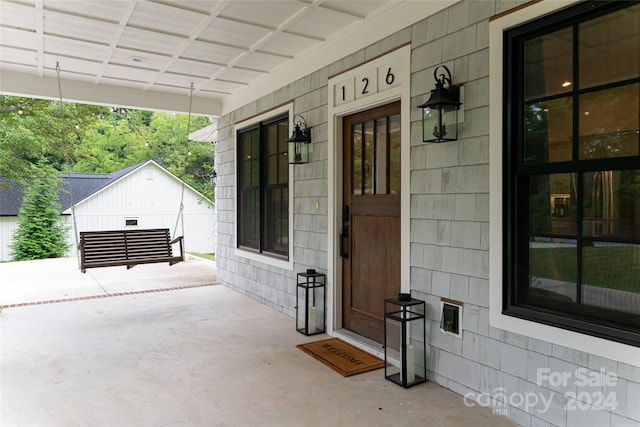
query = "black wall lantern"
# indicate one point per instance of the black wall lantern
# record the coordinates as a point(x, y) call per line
point(299, 142)
point(214, 179)
point(440, 112)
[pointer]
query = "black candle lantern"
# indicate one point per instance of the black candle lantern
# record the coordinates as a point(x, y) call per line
point(299, 142)
point(440, 112)
point(405, 341)
point(310, 307)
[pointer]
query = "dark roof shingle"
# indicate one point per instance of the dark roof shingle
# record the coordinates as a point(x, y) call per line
point(82, 186)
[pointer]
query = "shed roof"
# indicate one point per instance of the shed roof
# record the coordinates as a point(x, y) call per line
point(78, 185)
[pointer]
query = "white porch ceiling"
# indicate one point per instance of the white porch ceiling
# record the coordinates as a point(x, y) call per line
point(146, 54)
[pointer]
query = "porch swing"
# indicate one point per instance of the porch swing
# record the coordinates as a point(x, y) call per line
point(124, 247)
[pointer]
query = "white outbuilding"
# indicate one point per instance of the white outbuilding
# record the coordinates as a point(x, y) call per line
point(144, 195)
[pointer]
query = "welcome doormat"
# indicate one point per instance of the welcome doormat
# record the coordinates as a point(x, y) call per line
point(343, 358)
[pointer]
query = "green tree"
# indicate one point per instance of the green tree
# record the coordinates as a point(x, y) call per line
point(34, 140)
point(191, 161)
point(110, 146)
point(41, 231)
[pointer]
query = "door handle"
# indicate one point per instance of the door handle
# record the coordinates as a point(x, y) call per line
point(343, 235)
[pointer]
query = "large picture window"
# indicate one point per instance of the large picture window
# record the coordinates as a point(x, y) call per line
point(263, 188)
point(572, 170)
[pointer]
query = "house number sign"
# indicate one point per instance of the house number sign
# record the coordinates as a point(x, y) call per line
point(367, 83)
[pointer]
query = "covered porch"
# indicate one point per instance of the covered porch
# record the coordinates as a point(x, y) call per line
point(160, 345)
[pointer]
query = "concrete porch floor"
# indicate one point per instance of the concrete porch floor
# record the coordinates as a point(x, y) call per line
point(191, 356)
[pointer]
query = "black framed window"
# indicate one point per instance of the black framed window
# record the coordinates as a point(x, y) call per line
point(263, 187)
point(572, 170)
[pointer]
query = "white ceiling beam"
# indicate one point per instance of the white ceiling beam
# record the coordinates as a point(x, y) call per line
point(199, 29)
point(27, 85)
point(39, 17)
point(319, 4)
point(305, 8)
point(124, 19)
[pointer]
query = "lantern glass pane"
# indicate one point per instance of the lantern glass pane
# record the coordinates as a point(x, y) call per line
point(449, 122)
point(316, 310)
point(430, 123)
point(298, 152)
point(393, 338)
point(304, 151)
point(301, 320)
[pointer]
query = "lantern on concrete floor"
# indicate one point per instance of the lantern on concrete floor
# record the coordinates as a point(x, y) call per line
point(310, 307)
point(405, 341)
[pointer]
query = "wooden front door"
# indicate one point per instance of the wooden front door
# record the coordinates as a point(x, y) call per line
point(370, 236)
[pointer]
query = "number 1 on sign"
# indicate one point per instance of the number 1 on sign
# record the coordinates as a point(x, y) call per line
point(344, 92)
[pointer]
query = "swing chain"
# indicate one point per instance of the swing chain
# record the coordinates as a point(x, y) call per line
point(68, 158)
point(180, 218)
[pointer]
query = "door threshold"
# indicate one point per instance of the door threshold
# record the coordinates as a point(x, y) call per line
point(363, 343)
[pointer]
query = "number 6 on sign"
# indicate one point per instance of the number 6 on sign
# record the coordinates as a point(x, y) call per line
point(389, 75)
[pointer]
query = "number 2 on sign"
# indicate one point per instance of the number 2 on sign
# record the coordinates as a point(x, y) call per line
point(365, 83)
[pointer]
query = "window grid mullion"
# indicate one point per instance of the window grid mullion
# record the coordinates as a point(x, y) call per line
point(576, 158)
point(264, 158)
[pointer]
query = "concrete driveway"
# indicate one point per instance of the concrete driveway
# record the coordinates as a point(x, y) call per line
point(165, 347)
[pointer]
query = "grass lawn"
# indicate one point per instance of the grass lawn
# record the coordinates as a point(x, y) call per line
point(211, 257)
point(616, 267)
